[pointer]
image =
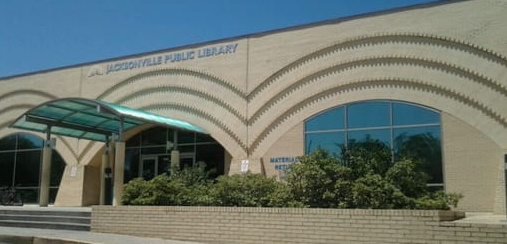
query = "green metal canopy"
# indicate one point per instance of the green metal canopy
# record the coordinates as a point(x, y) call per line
point(91, 119)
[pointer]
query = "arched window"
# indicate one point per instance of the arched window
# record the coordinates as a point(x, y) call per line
point(408, 129)
point(20, 163)
point(148, 153)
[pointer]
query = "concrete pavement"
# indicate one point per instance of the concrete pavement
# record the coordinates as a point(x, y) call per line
point(83, 236)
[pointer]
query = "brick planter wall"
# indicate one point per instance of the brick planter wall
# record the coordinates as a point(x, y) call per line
point(293, 225)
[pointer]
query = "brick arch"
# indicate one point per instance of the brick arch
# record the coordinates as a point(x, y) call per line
point(207, 101)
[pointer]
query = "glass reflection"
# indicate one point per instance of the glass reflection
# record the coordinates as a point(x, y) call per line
point(333, 119)
point(332, 142)
point(405, 114)
point(26, 141)
point(413, 131)
point(20, 162)
point(8, 143)
point(424, 144)
point(368, 114)
point(383, 136)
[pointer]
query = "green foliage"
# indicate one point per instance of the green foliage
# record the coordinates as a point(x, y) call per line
point(363, 178)
point(249, 190)
point(370, 157)
point(438, 200)
point(404, 176)
point(374, 191)
point(189, 186)
point(158, 191)
point(320, 181)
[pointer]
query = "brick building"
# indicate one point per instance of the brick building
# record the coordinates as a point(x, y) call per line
point(432, 74)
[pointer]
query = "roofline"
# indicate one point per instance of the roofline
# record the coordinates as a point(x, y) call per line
point(251, 35)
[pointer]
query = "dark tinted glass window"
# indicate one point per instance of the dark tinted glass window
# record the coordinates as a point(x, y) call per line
point(29, 195)
point(183, 149)
point(153, 150)
point(134, 141)
point(164, 164)
point(330, 120)
point(8, 143)
point(6, 168)
point(154, 136)
point(332, 142)
point(28, 168)
point(405, 114)
point(368, 114)
point(20, 161)
point(212, 155)
point(26, 141)
point(186, 137)
point(203, 138)
point(131, 163)
point(153, 145)
point(424, 144)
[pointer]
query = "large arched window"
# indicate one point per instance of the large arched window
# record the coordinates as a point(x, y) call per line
point(148, 154)
point(408, 129)
point(20, 164)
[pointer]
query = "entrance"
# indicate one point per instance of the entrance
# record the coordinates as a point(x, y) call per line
point(148, 167)
point(153, 165)
point(187, 160)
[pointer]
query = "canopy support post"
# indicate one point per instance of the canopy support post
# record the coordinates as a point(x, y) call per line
point(46, 170)
point(105, 175)
point(119, 165)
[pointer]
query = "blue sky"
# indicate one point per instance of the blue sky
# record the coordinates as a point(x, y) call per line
point(44, 34)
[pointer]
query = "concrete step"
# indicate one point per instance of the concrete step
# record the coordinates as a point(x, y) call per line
point(45, 218)
point(45, 225)
point(19, 211)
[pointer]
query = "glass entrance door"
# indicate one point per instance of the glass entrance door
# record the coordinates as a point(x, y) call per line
point(187, 160)
point(148, 167)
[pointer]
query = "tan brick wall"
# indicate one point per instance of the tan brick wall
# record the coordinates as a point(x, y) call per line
point(471, 162)
point(290, 145)
point(292, 225)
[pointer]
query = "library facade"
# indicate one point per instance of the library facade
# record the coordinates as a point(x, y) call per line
point(429, 80)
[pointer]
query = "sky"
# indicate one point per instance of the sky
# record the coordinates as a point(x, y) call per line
point(38, 35)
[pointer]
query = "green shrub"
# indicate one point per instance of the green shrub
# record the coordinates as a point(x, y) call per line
point(404, 176)
point(157, 191)
point(438, 200)
point(188, 187)
point(363, 178)
point(374, 191)
point(320, 181)
point(369, 157)
point(249, 190)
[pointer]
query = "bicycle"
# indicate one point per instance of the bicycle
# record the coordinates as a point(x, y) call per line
point(10, 197)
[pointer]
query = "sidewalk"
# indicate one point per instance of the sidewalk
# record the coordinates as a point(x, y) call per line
point(483, 218)
point(84, 236)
